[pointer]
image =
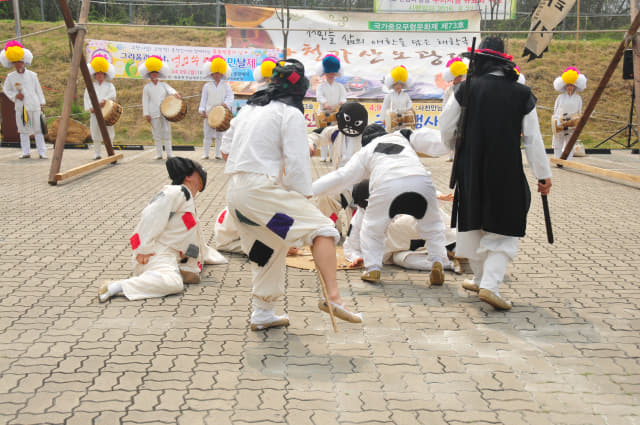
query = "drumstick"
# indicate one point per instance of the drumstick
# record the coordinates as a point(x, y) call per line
point(325, 293)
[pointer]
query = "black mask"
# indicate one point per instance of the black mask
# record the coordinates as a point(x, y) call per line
point(352, 119)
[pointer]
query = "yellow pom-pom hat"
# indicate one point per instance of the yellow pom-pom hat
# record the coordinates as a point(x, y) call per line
point(399, 74)
point(154, 64)
point(265, 70)
point(99, 63)
point(521, 78)
point(569, 76)
point(15, 52)
point(455, 68)
point(216, 64)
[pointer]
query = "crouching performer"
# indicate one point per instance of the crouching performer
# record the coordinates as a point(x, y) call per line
point(270, 182)
point(168, 244)
point(399, 184)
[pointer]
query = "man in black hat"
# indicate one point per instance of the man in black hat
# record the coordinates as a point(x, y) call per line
point(492, 195)
point(270, 181)
point(168, 244)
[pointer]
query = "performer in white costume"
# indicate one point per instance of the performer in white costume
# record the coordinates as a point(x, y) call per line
point(168, 244)
point(568, 104)
point(152, 96)
point(271, 206)
point(103, 72)
point(23, 88)
point(492, 196)
point(330, 94)
point(262, 74)
point(226, 234)
point(345, 139)
point(399, 184)
point(397, 101)
point(454, 73)
point(214, 93)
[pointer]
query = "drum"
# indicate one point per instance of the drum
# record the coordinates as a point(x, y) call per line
point(323, 119)
point(567, 123)
point(173, 108)
point(111, 112)
point(220, 118)
point(395, 121)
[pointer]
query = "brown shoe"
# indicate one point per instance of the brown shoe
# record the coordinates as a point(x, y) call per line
point(494, 299)
point(371, 276)
point(282, 321)
point(103, 292)
point(470, 285)
point(437, 275)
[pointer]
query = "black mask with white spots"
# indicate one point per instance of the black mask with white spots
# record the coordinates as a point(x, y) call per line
point(352, 119)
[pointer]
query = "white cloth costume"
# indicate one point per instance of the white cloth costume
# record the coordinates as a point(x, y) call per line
point(565, 107)
point(269, 205)
point(333, 94)
point(27, 83)
point(397, 179)
point(489, 253)
point(213, 95)
point(397, 103)
point(104, 91)
point(152, 97)
point(170, 230)
point(225, 233)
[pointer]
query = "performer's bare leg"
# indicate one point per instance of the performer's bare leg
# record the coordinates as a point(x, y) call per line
point(324, 254)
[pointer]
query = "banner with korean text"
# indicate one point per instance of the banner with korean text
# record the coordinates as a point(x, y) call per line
point(490, 9)
point(369, 45)
point(547, 16)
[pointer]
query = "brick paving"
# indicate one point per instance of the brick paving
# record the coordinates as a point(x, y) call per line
point(568, 352)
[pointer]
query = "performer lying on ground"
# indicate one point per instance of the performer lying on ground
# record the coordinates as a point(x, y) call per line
point(168, 244)
point(399, 184)
point(492, 194)
point(270, 206)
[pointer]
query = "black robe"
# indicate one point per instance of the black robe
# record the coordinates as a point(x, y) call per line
point(492, 192)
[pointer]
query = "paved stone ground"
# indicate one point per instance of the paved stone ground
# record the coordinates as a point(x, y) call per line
point(568, 353)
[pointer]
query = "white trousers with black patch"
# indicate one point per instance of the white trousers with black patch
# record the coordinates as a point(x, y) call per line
point(402, 196)
point(270, 219)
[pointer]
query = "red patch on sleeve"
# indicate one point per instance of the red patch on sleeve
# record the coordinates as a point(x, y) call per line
point(222, 215)
point(353, 213)
point(135, 241)
point(188, 220)
point(199, 265)
point(334, 217)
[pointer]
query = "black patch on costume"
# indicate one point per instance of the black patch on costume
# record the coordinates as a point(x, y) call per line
point(185, 191)
point(416, 244)
point(171, 214)
point(318, 130)
point(158, 196)
point(192, 251)
point(245, 220)
point(410, 203)
point(260, 253)
point(343, 201)
point(349, 231)
point(406, 132)
point(184, 260)
point(360, 193)
point(389, 148)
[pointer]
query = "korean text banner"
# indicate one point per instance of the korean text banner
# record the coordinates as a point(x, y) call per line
point(491, 9)
point(185, 62)
point(369, 45)
point(545, 19)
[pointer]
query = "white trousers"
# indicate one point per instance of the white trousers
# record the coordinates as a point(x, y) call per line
point(489, 255)
point(559, 142)
point(25, 144)
point(161, 132)
point(376, 219)
point(96, 134)
point(32, 127)
point(325, 152)
point(270, 219)
point(209, 135)
point(159, 277)
point(225, 233)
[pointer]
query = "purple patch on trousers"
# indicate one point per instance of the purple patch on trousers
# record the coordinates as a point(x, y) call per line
point(280, 224)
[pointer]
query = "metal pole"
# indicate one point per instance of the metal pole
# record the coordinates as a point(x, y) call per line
point(217, 14)
point(130, 13)
point(16, 16)
point(42, 10)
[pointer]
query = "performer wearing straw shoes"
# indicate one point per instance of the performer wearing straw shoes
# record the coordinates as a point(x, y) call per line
point(397, 101)
point(567, 109)
point(152, 96)
point(23, 88)
point(271, 206)
point(330, 94)
point(168, 244)
point(103, 72)
point(492, 194)
point(214, 93)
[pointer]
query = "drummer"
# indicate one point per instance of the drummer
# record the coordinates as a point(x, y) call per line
point(568, 104)
point(214, 93)
point(330, 94)
point(152, 96)
point(397, 101)
point(101, 70)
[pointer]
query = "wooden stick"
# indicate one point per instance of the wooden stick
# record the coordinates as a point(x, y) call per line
point(603, 84)
point(325, 293)
point(595, 170)
point(89, 166)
